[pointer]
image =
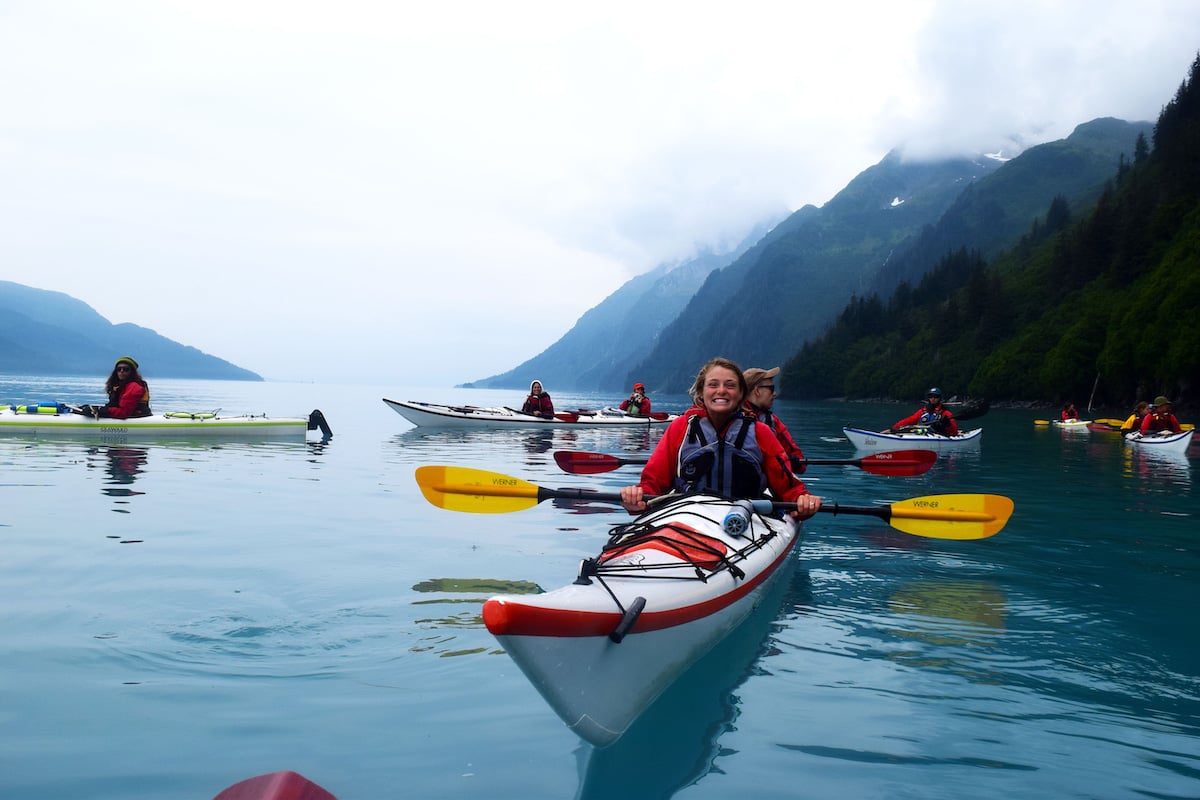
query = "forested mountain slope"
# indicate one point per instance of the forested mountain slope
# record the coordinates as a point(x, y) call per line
point(1097, 305)
point(761, 308)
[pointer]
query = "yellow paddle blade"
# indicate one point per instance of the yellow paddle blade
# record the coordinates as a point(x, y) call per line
point(475, 490)
point(1041, 422)
point(952, 516)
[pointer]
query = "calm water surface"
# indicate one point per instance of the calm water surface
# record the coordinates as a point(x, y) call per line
point(178, 617)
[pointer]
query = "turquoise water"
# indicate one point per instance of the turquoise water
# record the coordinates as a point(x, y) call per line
point(178, 617)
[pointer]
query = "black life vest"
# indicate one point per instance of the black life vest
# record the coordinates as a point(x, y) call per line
point(728, 463)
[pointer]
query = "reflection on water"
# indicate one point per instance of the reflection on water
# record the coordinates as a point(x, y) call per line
point(539, 442)
point(1156, 471)
point(948, 620)
point(126, 471)
point(438, 639)
point(577, 506)
point(966, 605)
point(317, 447)
point(124, 464)
point(469, 446)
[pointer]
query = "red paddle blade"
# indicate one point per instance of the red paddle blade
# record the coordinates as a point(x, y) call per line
point(899, 462)
point(285, 785)
point(586, 463)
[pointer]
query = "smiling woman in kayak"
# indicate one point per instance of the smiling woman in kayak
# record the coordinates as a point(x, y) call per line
point(715, 447)
point(538, 403)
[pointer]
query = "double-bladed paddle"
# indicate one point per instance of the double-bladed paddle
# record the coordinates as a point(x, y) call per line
point(945, 516)
point(896, 462)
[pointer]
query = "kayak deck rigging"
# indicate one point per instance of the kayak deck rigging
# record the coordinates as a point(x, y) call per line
point(704, 554)
point(699, 558)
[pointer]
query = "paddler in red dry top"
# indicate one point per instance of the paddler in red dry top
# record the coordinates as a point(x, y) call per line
point(718, 429)
point(1161, 418)
point(637, 404)
point(128, 393)
point(932, 415)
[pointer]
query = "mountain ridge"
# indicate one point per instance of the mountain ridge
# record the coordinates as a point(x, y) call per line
point(51, 333)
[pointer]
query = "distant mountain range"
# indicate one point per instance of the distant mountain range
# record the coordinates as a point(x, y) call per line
point(761, 303)
point(51, 333)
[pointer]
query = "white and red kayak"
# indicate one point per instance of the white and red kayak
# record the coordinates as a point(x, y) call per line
point(918, 438)
point(1161, 442)
point(665, 589)
point(435, 414)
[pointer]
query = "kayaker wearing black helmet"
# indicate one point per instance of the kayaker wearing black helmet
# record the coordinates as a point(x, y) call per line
point(933, 415)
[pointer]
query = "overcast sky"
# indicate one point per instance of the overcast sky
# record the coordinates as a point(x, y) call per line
point(427, 193)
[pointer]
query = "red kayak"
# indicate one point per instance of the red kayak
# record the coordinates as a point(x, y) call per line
point(284, 785)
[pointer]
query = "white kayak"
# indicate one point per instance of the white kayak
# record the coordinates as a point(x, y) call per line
point(1071, 424)
point(434, 414)
point(921, 439)
point(1161, 442)
point(666, 589)
point(56, 420)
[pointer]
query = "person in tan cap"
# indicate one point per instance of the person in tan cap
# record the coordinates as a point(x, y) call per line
point(760, 396)
point(637, 405)
point(1161, 418)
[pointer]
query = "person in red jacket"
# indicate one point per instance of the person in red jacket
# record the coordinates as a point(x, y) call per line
point(1069, 412)
point(716, 446)
point(760, 396)
point(128, 393)
point(637, 404)
point(932, 415)
point(1161, 418)
point(538, 403)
